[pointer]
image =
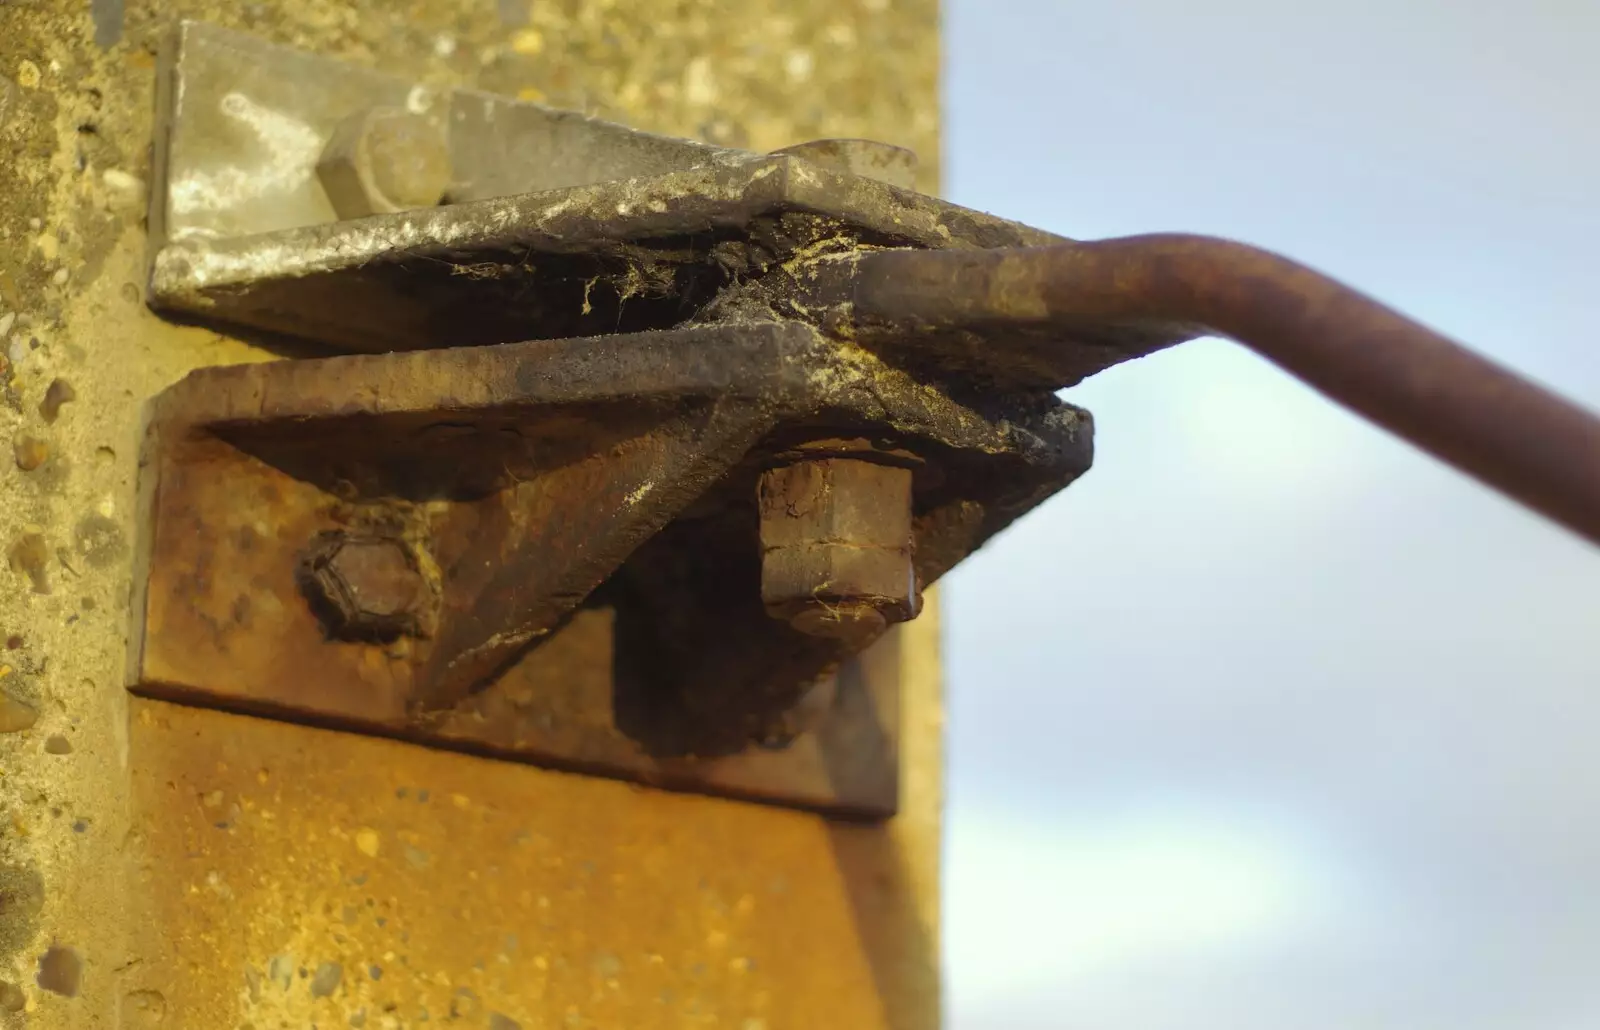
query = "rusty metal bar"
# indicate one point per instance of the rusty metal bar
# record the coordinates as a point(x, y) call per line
point(1519, 438)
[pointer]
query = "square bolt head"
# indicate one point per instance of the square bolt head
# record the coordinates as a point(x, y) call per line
point(836, 545)
point(384, 159)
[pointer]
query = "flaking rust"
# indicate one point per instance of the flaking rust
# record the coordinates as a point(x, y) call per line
point(585, 574)
point(591, 508)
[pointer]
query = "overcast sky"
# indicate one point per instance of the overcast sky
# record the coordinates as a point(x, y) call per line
point(1271, 723)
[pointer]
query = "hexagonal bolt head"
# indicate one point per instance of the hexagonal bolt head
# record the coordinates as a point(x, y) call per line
point(867, 158)
point(836, 547)
point(368, 588)
point(384, 159)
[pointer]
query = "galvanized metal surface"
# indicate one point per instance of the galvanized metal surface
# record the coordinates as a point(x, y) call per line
point(873, 159)
point(243, 124)
point(559, 226)
point(384, 159)
point(1046, 318)
point(614, 257)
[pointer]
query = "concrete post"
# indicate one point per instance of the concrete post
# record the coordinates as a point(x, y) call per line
point(177, 867)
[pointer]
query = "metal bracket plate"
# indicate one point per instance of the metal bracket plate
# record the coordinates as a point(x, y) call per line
point(617, 473)
point(241, 123)
point(559, 225)
point(577, 506)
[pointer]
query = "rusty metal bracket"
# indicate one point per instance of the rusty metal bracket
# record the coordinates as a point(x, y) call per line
point(650, 534)
point(659, 437)
point(597, 497)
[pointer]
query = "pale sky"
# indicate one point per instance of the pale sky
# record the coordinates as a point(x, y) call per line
point(1271, 723)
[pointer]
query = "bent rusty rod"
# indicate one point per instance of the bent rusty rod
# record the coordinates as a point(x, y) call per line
point(1487, 421)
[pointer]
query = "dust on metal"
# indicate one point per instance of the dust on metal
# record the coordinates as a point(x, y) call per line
point(867, 158)
point(557, 225)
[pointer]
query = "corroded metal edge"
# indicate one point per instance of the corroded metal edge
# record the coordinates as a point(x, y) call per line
point(543, 200)
point(243, 465)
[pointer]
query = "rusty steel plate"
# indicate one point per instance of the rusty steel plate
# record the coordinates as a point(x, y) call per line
point(529, 524)
point(580, 521)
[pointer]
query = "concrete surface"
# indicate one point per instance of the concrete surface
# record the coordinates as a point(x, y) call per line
point(162, 866)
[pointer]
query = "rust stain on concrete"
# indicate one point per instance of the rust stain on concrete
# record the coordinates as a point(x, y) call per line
point(313, 877)
point(184, 901)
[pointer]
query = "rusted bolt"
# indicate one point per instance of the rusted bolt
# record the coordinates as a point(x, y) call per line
point(367, 587)
point(384, 159)
point(867, 158)
point(836, 547)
